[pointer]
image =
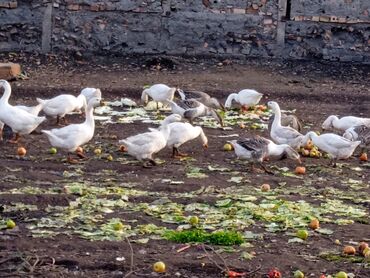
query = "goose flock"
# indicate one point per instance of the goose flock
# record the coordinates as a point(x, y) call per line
point(285, 130)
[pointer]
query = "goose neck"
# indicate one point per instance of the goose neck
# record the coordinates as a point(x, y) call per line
point(166, 130)
point(277, 117)
point(277, 150)
point(203, 137)
point(230, 98)
point(334, 120)
point(90, 115)
point(7, 92)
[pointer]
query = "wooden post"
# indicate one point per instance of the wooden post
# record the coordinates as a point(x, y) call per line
point(280, 35)
point(47, 29)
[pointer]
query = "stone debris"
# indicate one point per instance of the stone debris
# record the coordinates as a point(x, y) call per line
point(9, 71)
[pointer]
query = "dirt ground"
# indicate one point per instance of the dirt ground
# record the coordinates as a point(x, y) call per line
point(35, 191)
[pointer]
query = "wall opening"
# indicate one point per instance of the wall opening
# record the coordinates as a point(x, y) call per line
point(288, 9)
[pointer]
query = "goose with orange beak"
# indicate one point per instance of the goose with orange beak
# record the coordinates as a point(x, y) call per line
point(180, 133)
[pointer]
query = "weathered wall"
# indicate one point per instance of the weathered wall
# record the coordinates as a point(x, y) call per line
point(20, 25)
point(325, 29)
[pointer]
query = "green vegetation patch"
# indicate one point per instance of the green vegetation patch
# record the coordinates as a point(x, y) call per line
point(225, 238)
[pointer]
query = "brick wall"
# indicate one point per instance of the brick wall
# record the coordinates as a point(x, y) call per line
point(322, 29)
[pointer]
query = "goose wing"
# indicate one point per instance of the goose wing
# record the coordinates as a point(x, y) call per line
point(144, 138)
point(336, 141)
point(363, 132)
point(70, 131)
point(288, 132)
point(196, 94)
point(189, 104)
point(257, 145)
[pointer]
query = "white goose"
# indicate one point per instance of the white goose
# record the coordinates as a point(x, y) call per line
point(283, 134)
point(89, 93)
point(336, 146)
point(20, 121)
point(61, 105)
point(257, 149)
point(34, 110)
point(344, 123)
point(359, 133)
point(181, 133)
point(73, 136)
point(160, 93)
point(246, 98)
point(191, 109)
point(143, 146)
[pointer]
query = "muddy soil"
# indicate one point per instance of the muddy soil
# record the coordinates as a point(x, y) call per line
point(314, 90)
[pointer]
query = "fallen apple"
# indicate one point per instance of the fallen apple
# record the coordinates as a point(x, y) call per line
point(194, 220)
point(159, 267)
point(298, 274)
point(314, 224)
point(10, 224)
point(300, 170)
point(265, 187)
point(109, 157)
point(233, 274)
point(362, 246)
point(21, 151)
point(302, 234)
point(309, 145)
point(97, 151)
point(363, 157)
point(341, 274)
point(118, 226)
point(366, 252)
point(228, 147)
point(349, 250)
point(274, 273)
point(53, 150)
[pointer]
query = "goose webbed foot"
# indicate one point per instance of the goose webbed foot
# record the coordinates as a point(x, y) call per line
point(152, 161)
point(266, 170)
point(71, 160)
point(180, 154)
point(37, 132)
point(59, 121)
point(81, 155)
point(263, 170)
point(65, 122)
point(254, 170)
point(149, 163)
point(15, 139)
point(177, 154)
